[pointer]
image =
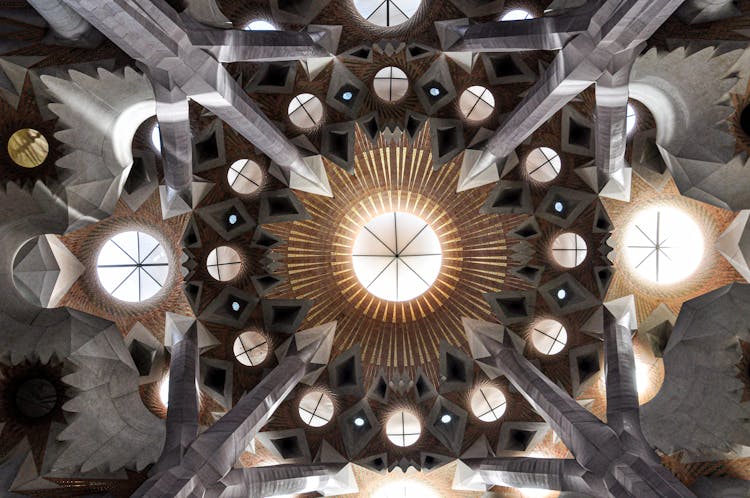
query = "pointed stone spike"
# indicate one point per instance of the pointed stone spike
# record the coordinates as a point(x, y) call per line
point(481, 334)
point(328, 454)
point(464, 60)
point(618, 186)
point(323, 333)
point(487, 176)
point(480, 448)
point(323, 187)
point(623, 309)
point(449, 32)
point(315, 65)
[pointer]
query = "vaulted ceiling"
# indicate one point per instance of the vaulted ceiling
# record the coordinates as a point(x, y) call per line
point(340, 247)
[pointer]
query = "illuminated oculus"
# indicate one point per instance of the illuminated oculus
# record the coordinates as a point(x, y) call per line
point(397, 256)
point(663, 245)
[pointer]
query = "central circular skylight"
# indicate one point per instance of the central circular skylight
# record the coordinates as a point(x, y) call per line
point(663, 245)
point(387, 12)
point(397, 256)
point(132, 266)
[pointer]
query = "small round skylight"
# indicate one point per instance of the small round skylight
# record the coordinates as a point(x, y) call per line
point(488, 403)
point(305, 111)
point(663, 245)
point(132, 266)
point(250, 348)
point(516, 15)
point(156, 137)
point(260, 25)
point(403, 428)
point(476, 103)
point(223, 263)
point(549, 337)
point(28, 148)
point(245, 176)
point(390, 84)
point(569, 250)
point(316, 409)
point(632, 118)
point(397, 256)
point(543, 164)
point(387, 12)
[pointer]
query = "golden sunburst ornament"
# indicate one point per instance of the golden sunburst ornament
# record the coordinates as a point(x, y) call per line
point(395, 334)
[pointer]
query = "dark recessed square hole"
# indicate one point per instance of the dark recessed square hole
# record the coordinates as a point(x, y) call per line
point(275, 75)
point(579, 134)
point(455, 370)
point(518, 440)
point(281, 206)
point(509, 197)
point(288, 447)
point(215, 379)
point(503, 65)
point(339, 144)
point(346, 373)
point(284, 315)
point(513, 307)
point(207, 149)
point(588, 366)
point(448, 140)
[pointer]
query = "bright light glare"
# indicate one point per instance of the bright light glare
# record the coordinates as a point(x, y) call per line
point(642, 377)
point(516, 15)
point(663, 245)
point(400, 489)
point(397, 256)
point(260, 25)
point(156, 137)
point(631, 118)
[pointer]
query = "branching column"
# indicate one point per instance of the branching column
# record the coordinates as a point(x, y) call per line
point(616, 27)
point(151, 32)
point(610, 460)
point(277, 480)
point(214, 452)
point(182, 410)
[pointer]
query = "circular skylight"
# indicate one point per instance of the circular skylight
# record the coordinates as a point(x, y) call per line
point(663, 245)
point(632, 118)
point(543, 164)
point(156, 137)
point(28, 148)
point(476, 103)
point(387, 12)
point(488, 403)
point(250, 348)
point(403, 428)
point(390, 84)
point(223, 263)
point(305, 111)
point(397, 256)
point(316, 409)
point(245, 176)
point(516, 15)
point(569, 250)
point(132, 266)
point(260, 25)
point(549, 337)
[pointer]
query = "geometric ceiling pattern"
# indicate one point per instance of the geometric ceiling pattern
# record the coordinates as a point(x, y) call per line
point(310, 248)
